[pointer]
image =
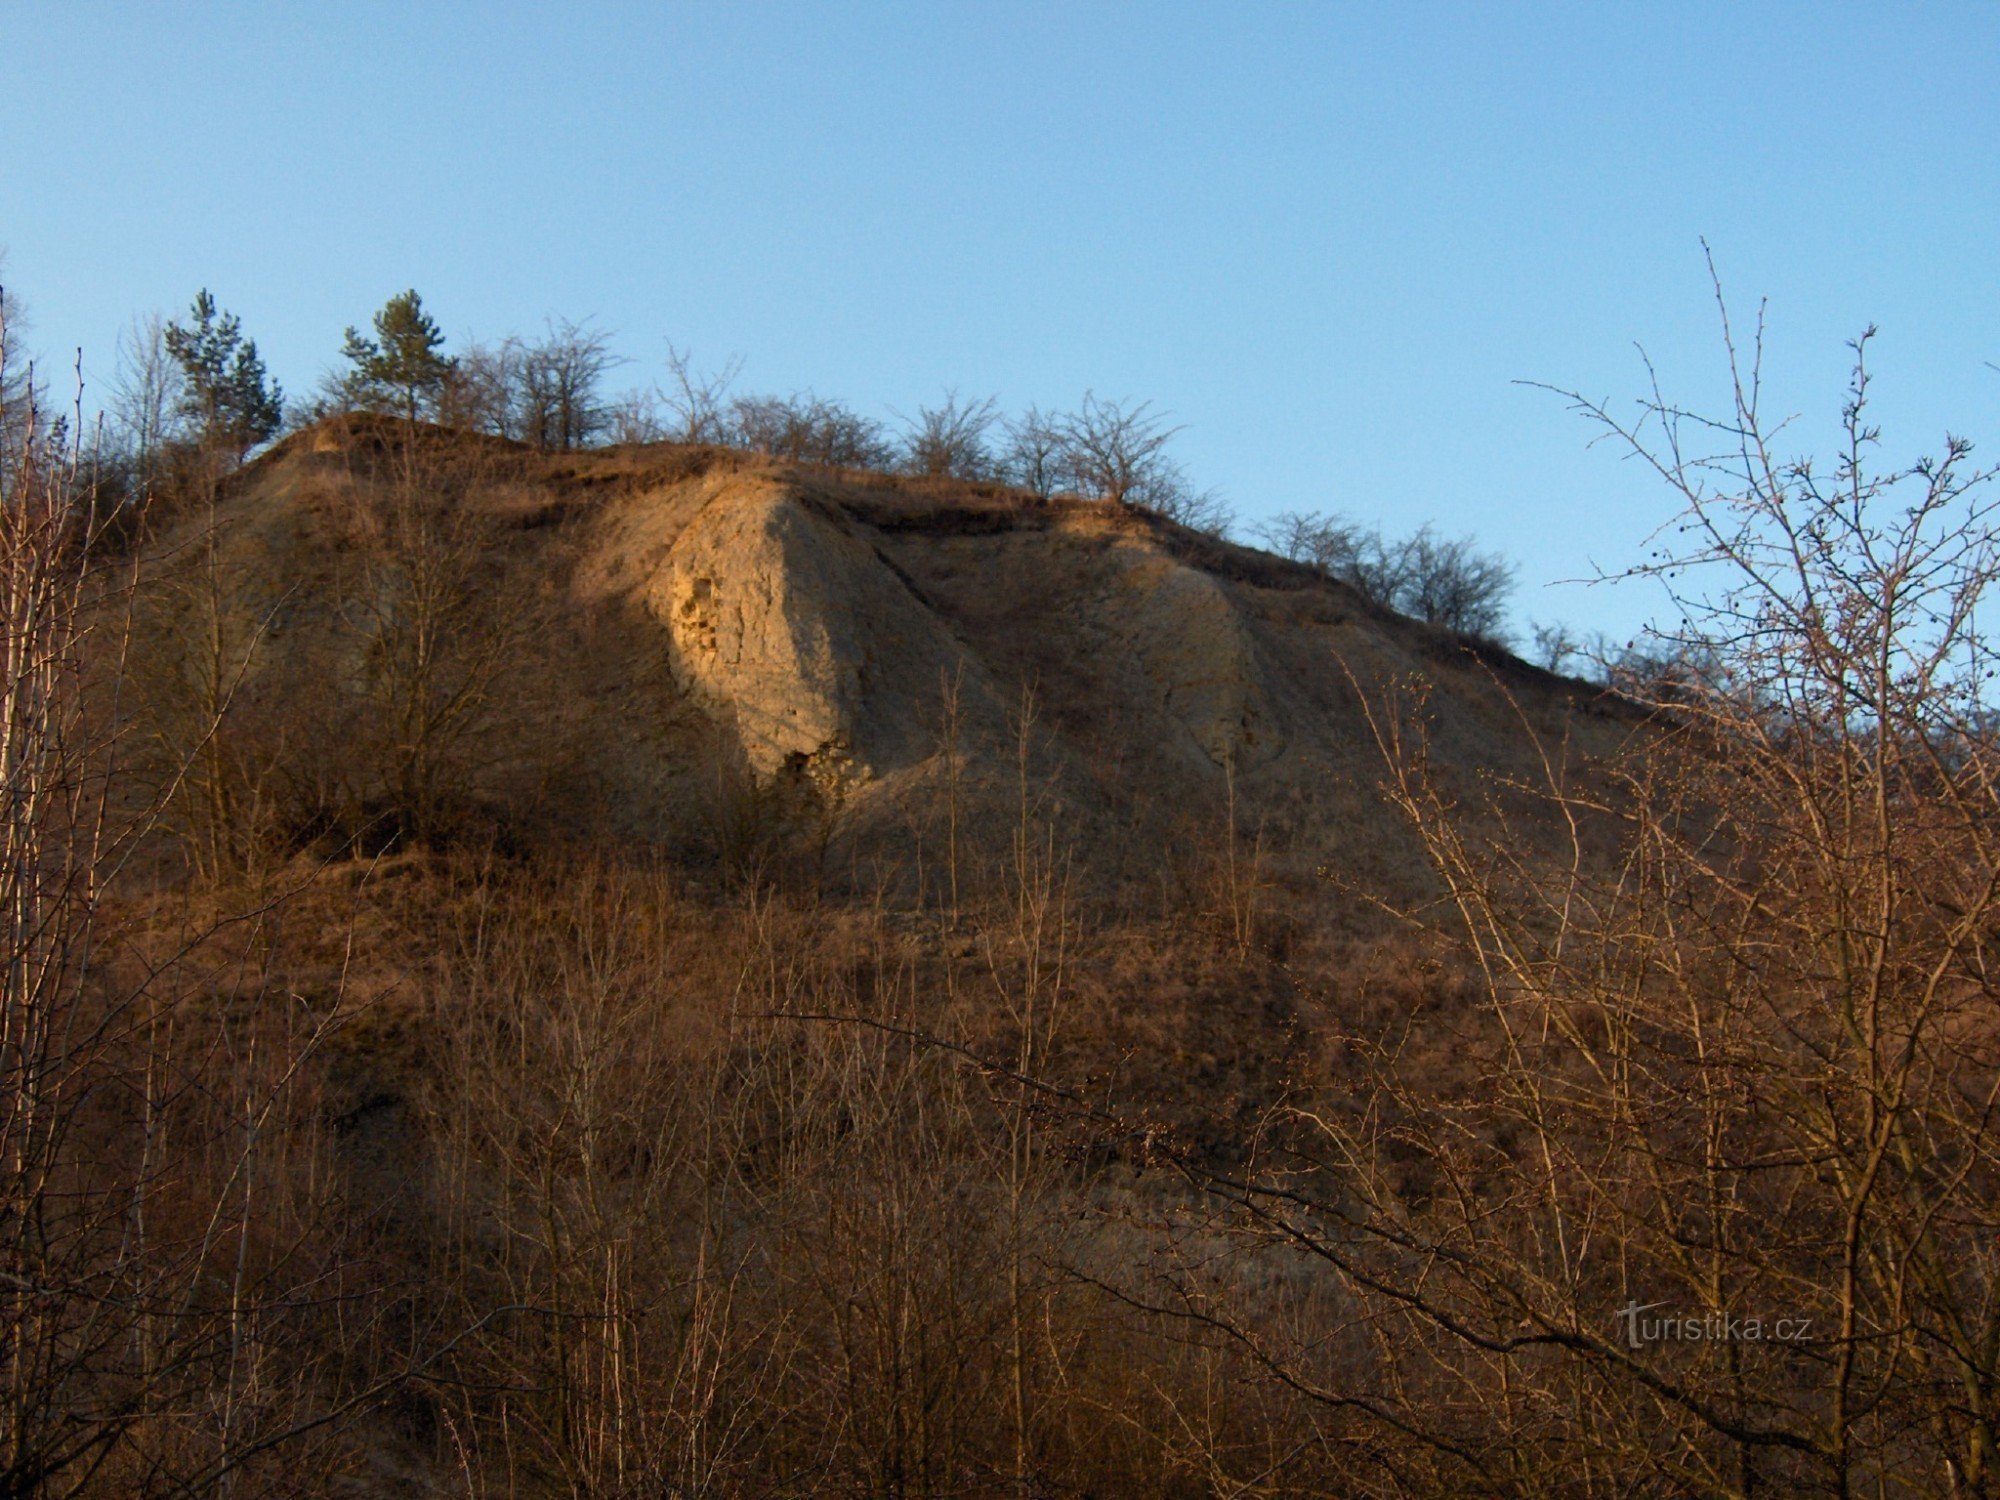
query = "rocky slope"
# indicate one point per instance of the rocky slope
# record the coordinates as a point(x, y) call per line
point(645, 641)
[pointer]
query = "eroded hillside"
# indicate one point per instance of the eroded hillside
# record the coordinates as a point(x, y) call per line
point(676, 646)
point(745, 971)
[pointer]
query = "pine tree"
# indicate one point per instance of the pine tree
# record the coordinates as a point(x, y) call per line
point(232, 400)
point(400, 368)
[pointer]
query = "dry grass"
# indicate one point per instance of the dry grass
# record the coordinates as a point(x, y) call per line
point(663, 1127)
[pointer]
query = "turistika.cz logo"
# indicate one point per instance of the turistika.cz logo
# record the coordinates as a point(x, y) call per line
point(1706, 1328)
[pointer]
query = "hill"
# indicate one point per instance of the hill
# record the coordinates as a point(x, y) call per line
point(685, 648)
point(657, 970)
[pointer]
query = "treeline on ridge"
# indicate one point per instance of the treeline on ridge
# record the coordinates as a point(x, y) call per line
point(191, 398)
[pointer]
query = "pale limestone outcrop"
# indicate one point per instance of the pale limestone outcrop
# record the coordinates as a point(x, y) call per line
point(688, 614)
point(1194, 651)
point(784, 621)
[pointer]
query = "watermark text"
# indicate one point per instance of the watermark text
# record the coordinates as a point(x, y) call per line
point(1643, 1323)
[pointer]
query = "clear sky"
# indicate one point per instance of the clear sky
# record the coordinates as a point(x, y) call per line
point(1330, 239)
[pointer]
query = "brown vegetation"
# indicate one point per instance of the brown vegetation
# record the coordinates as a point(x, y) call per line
point(674, 971)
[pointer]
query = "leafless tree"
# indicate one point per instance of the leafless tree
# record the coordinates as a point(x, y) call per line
point(558, 384)
point(1032, 456)
point(20, 393)
point(1449, 583)
point(199, 626)
point(699, 402)
point(160, 1249)
point(1445, 582)
point(482, 390)
point(811, 430)
point(1168, 493)
point(636, 417)
point(431, 644)
point(1115, 450)
point(1347, 552)
point(949, 440)
point(1326, 543)
point(145, 396)
point(1557, 647)
point(1693, 1188)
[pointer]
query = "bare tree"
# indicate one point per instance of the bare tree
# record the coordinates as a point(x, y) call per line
point(20, 393)
point(699, 402)
point(811, 430)
point(1694, 1188)
point(949, 440)
point(636, 417)
point(482, 390)
point(1347, 552)
point(558, 385)
point(432, 647)
point(1115, 450)
point(1167, 492)
point(200, 624)
point(1033, 455)
point(1449, 583)
point(146, 396)
point(1556, 646)
point(1445, 582)
point(160, 1250)
point(1326, 543)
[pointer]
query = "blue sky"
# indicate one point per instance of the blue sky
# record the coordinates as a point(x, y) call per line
point(1330, 239)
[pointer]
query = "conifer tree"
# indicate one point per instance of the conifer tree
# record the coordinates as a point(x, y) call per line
point(400, 368)
point(232, 401)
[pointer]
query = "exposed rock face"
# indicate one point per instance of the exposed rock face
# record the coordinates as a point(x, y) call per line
point(691, 615)
point(1194, 649)
point(782, 619)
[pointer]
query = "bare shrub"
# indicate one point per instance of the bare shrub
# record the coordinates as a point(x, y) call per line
point(558, 385)
point(170, 1240)
point(146, 399)
point(1116, 450)
point(21, 395)
point(949, 440)
point(810, 430)
point(1168, 493)
point(770, 829)
point(430, 639)
point(200, 620)
point(1708, 1202)
point(1447, 582)
point(481, 391)
point(1557, 647)
point(699, 401)
point(1322, 542)
point(637, 416)
point(1032, 456)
